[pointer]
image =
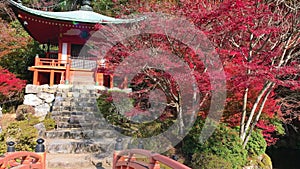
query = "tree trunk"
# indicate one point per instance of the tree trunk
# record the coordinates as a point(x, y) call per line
point(258, 115)
point(257, 101)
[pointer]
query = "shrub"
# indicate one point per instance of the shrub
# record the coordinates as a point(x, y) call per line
point(209, 161)
point(49, 123)
point(22, 133)
point(256, 145)
point(224, 145)
point(123, 123)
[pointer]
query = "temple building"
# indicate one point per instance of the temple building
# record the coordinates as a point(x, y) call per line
point(68, 32)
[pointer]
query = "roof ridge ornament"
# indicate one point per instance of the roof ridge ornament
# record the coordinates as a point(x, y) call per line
point(86, 6)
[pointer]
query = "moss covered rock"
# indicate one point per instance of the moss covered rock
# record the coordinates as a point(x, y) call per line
point(23, 111)
point(260, 162)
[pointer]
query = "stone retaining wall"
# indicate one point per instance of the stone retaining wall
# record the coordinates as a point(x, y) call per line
point(41, 98)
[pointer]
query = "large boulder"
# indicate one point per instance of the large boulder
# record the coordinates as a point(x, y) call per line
point(41, 129)
point(32, 100)
point(48, 89)
point(44, 86)
point(24, 110)
point(48, 97)
point(31, 89)
point(260, 162)
point(42, 110)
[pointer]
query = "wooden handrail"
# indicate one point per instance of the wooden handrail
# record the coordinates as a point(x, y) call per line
point(50, 62)
point(169, 162)
point(23, 159)
point(126, 158)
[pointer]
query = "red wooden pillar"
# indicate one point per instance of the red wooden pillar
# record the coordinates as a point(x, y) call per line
point(111, 83)
point(100, 79)
point(51, 77)
point(35, 77)
point(125, 83)
point(62, 78)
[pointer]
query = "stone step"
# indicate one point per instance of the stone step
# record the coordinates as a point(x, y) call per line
point(83, 94)
point(75, 108)
point(69, 161)
point(84, 88)
point(69, 134)
point(66, 96)
point(67, 125)
point(77, 146)
point(85, 126)
point(80, 134)
point(84, 81)
point(74, 118)
point(77, 161)
point(69, 113)
point(105, 133)
point(99, 125)
point(87, 101)
point(79, 120)
point(86, 109)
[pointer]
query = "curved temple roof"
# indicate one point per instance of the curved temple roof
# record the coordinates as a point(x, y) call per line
point(78, 16)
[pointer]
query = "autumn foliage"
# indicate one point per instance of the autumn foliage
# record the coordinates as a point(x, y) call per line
point(10, 39)
point(258, 43)
point(10, 86)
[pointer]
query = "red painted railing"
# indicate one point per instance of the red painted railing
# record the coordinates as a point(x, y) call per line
point(123, 159)
point(24, 159)
point(50, 62)
point(143, 159)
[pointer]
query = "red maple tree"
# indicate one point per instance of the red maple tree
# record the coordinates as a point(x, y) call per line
point(10, 86)
point(258, 43)
point(11, 41)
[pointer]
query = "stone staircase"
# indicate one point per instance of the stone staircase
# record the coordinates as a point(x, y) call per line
point(80, 129)
point(83, 78)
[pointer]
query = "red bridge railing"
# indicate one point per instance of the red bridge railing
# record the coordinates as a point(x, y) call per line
point(142, 159)
point(123, 159)
point(24, 159)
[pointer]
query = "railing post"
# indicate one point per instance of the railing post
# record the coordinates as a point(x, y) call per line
point(129, 146)
point(119, 144)
point(68, 70)
point(96, 78)
point(11, 147)
point(62, 78)
point(40, 149)
point(118, 148)
point(37, 60)
point(140, 145)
